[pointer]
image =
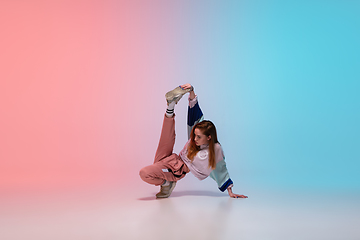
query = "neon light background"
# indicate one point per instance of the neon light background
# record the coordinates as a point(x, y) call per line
point(83, 84)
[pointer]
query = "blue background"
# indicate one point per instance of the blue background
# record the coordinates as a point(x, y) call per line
point(280, 80)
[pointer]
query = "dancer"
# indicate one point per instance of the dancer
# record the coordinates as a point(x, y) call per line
point(202, 155)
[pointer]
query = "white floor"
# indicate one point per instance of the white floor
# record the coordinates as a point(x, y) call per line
point(187, 214)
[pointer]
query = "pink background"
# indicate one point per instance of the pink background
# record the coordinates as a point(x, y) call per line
point(82, 91)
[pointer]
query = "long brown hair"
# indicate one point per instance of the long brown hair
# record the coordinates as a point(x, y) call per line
point(208, 129)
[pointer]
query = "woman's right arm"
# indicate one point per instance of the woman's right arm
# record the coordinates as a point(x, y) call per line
point(195, 114)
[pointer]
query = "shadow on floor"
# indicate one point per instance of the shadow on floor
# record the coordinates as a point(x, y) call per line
point(188, 193)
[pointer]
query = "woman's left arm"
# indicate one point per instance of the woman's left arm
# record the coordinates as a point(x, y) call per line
point(189, 86)
point(233, 195)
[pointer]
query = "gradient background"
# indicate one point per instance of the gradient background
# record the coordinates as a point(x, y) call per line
point(83, 82)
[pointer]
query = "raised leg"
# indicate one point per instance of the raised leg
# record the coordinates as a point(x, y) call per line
point(167, 139)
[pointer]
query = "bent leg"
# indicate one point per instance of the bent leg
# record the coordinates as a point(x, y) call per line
point(171, 169)
point(156, 174)
point(167, 139)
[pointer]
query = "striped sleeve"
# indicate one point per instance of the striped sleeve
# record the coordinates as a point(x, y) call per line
point(195, 115)
point(221, 176)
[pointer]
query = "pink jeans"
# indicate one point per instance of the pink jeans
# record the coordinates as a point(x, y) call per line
point(167, 165)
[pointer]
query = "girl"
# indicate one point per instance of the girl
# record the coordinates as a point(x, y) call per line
point(202, 155)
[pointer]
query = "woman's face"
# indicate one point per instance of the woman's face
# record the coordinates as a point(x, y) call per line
point(200, 138)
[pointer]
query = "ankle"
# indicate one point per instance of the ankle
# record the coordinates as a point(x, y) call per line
point(166, 183)
point(170, 110)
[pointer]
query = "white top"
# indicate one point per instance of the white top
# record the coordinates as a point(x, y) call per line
point(200, 165)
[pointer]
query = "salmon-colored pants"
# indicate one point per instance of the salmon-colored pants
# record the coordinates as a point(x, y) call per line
point(167, 165)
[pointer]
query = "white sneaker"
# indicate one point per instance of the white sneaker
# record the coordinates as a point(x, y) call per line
point(175, 95)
